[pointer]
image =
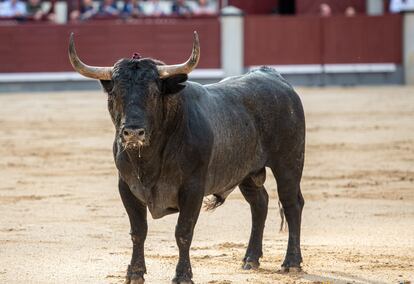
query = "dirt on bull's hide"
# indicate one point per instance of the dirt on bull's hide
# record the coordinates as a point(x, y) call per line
point(62, 221)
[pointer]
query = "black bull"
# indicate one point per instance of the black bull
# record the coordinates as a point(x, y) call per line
point(178, 141)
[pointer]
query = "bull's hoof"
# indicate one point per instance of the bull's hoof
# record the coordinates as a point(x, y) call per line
point(138, 281)
point(134, 280)
point(292, 263)
point(135, 276)
point(293, 269)
point(250, 264)
point(182, 280)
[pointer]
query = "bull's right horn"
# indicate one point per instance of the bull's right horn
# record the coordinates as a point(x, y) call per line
point(100, 73)
point(184, 68)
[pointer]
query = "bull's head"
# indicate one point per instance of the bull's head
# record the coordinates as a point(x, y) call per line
point(136, 88)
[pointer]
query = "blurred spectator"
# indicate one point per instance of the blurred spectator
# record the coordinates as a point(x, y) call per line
point(397, 6)
point(181, 8)
point(325, 10)
point(155, 9)
point(108, 8)
point(34, 9)
point(86, 11)
point(205, 7)
point(350, 11)
point(132, 8)
point(12, 8)
point(35, 12)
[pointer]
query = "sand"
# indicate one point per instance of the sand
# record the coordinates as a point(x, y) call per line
point(62, 221)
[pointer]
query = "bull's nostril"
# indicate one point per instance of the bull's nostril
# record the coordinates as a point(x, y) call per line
point(126, 133)
point(141, 132)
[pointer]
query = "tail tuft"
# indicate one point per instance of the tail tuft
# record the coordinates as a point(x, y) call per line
point(283, 223)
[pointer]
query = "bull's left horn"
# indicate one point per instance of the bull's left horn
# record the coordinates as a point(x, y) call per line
point(100, 73)
point(185, 68)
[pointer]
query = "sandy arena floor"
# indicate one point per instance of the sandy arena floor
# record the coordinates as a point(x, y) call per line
point(62, 221)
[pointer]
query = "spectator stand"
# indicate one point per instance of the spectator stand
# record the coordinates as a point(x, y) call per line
point(60, 11)
point(27, 11)
point(151, 9)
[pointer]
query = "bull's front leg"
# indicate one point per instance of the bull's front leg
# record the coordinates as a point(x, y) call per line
point(137, 213)
point(190, 201)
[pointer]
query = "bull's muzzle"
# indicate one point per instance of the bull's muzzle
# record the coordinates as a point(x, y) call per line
point(133, 137)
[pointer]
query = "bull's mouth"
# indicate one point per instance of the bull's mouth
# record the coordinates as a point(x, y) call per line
point(134, 144)
point(130, 145)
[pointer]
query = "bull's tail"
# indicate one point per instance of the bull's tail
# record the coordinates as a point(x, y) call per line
point(212, 203)
point(283, 223)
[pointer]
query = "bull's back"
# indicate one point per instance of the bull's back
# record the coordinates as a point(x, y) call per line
point(269, 102)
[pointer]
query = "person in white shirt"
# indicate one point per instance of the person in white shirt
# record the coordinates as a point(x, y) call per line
point(397, 6)
point(205, 7)
point(12, 8)
point(155, 9)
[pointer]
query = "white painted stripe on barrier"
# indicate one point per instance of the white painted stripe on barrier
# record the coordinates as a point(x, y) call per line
point(360, 68)
point(212, 73)
point(334, 68)
point(73, 76)
point(207, 74)
point(41, 77)
point(295, 69)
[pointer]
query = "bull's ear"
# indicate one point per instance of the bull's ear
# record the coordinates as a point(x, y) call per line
point(107, 85)
point(173, 84)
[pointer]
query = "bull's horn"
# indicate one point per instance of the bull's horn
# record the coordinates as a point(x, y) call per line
point(101, 73)
point(184, 68)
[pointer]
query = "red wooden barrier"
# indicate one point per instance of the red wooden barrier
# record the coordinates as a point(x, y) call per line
point(270, 40)
point(43, 47)
point(282, 40)
point(362, 39)
point(277, 40)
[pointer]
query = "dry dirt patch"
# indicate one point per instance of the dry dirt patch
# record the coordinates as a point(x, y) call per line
point(61, 219)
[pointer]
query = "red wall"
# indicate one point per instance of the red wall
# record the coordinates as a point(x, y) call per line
point(271, 40)
point(43, 47)
point(282, 40)
point(363, 39)
point(315, 40)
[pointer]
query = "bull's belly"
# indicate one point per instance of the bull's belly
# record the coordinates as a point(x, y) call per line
point(222, 180)
point(226, 174)
point(222, 186)
point(162, 200)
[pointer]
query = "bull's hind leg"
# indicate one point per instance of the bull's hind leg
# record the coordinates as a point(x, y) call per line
point(288, 174)
point(254, 192)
